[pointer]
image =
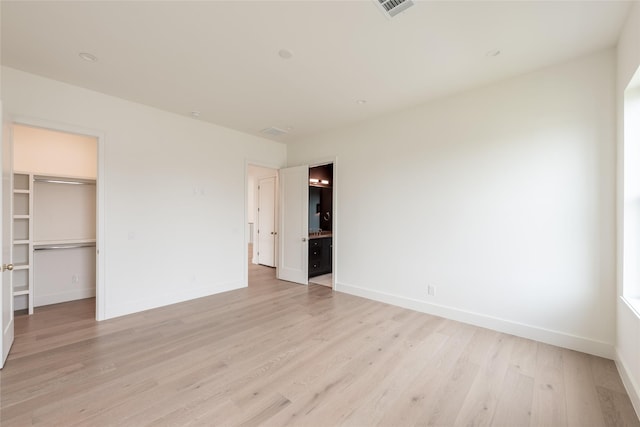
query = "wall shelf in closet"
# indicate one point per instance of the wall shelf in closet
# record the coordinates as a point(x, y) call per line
point(64, 238)
point(53, 229)
point(22, 232)
point(64, 244)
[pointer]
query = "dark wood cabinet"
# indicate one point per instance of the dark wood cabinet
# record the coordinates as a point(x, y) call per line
point(320, 256)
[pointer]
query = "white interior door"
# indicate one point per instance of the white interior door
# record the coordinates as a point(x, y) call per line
point(293, 264)
point(6, 294)
point(267, 221)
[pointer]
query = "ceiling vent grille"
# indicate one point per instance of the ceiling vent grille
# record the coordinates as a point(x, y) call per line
point(274, 131)
point(393, 7)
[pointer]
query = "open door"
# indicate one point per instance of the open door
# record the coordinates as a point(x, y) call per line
point(6, 294)
point(293, 264)
point(267, 221)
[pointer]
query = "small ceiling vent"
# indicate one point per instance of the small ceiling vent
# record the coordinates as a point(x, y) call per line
point(274, 131)
point(393, 7)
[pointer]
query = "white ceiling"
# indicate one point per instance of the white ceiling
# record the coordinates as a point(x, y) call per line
point(221, 57)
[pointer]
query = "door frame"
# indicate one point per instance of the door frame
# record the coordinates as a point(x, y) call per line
point(100, 200)
point(317, 162)
point(245, 256)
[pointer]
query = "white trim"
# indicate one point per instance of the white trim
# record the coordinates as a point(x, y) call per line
point(548, 336)
point(170, 298)
point(332, 160)
point(334, 226)
point(633, 304)
point(40, 300)
point(100, 199)
point(630, 385)
point(633, 389)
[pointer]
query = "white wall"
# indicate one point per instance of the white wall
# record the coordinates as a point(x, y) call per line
point(628, 318)
point(63, 275)
point(501, 197)
point(174, 192)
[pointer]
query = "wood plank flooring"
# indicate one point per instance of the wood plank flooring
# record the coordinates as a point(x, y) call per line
point(279, 354)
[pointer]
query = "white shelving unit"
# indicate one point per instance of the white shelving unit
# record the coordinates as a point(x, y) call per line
point(51, 217)
point(21, 235)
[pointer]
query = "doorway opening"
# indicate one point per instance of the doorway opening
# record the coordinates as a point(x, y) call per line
point(261, 215)
point(321, 225)
point(631, 221)
point(54, 217)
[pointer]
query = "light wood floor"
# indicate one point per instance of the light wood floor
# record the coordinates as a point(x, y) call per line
point(282, 354)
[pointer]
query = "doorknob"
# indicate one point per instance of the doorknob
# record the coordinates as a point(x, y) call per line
point(304, 239)
point(7, 267)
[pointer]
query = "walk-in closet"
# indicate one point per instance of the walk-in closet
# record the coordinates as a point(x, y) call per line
point(54, 217)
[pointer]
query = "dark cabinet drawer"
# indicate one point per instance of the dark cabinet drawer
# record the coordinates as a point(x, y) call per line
point(320, 256)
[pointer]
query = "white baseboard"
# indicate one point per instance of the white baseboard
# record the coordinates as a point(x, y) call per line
point(633, 388)
point(560, 339)
point(134, 306)
point(40, 300)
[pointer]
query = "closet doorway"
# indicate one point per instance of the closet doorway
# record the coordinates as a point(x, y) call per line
point(54, 216)
point(261, 214)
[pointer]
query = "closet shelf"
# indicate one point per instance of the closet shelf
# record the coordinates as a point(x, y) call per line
point(63, 242)
point(22, 224)
point(63, 180)
point(66, 206)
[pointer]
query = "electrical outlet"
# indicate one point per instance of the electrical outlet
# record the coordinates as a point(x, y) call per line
point(75, 279)
point(431, 290)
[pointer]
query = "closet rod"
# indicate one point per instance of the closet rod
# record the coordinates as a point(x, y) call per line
point(82, 245)
point(62, 181)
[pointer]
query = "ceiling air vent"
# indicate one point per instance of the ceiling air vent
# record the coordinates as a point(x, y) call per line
point(393, 7)
point(274, 131)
